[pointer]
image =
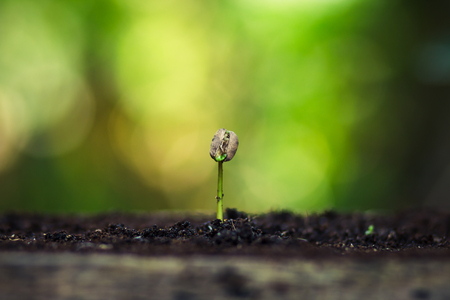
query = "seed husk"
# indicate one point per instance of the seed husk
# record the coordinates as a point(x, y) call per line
point(224, 145)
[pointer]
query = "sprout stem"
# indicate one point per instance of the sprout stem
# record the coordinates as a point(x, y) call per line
point(220, 193)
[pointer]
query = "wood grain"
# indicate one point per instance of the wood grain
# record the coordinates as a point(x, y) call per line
point(97, 276)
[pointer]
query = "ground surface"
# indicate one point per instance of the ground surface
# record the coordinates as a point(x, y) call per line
point(276, 235)
point(278, 255)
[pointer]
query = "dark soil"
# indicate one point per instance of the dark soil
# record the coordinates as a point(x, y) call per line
point(276, 234)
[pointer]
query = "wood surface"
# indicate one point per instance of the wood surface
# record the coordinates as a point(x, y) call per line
point(97, 276)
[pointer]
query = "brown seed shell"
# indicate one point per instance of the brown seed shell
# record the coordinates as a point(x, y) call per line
point(221, 144)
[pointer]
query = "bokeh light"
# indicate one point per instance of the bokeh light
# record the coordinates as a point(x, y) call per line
point(113, 104)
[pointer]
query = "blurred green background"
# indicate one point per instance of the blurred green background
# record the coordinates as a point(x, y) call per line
point(112, 105)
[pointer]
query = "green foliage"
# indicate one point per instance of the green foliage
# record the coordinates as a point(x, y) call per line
point(108, 104)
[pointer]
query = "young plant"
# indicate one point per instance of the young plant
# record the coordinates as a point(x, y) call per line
point(223, 148)
point(370, 230)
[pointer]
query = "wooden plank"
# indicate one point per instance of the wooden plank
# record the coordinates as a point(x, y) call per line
point(96, 276)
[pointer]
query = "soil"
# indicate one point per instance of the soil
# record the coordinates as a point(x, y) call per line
point(414, 233)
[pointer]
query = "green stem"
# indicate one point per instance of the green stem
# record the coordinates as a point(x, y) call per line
point(220, 193)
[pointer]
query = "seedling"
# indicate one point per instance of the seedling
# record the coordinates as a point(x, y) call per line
point(223, 148)
point(369, 231)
